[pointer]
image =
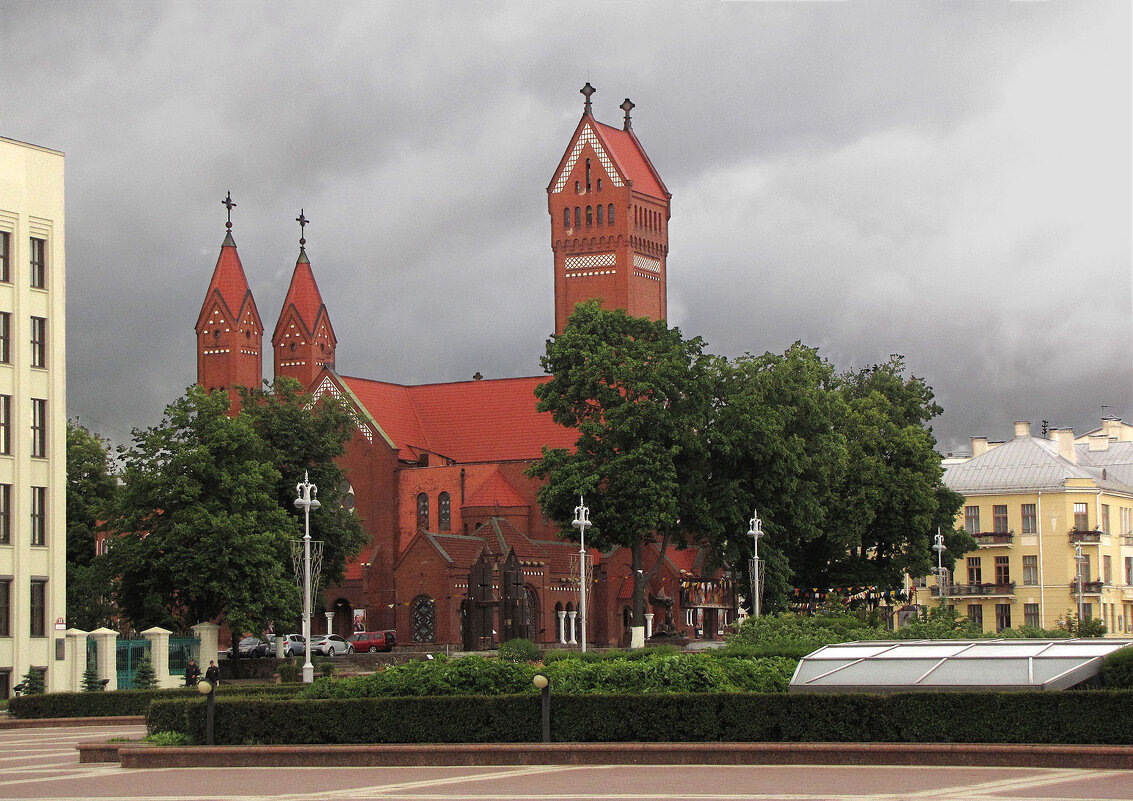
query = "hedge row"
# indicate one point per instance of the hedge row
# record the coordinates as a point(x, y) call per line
point(127, 702)
point(1101, 716)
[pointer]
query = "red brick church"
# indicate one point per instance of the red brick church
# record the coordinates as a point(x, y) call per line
point(437, 470)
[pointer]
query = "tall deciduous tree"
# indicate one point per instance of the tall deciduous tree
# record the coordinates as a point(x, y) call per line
point(91, 489)
point(637, 392)
point(301, 436)
point(775, 447)
point(892, 500)
point(200, 529)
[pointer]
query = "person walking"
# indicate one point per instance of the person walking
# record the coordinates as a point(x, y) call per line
point(212, 674)
point(192, 673)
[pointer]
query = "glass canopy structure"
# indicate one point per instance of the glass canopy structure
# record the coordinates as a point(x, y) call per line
point(939, 665)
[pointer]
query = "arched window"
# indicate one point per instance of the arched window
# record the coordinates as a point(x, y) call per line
point(610, 214)
point(423, 512)
point(566, 217)
point(444, 512)
point(423, 619)
point(577, 188)
point(589, 215)
point(599, 184)
point(599, 210)
point(577, 216)
point(531, 616)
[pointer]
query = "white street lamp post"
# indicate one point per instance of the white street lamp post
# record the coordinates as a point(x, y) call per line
point(940, 548)
point(755, 532)
point(582, 522)
point(1078, 563)
point(307, 501)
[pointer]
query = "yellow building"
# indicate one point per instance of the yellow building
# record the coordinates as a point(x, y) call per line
point(33, 437)
point(1042, 509)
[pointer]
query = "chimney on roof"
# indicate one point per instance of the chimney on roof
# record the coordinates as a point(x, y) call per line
point(1064, 439)
point(979, 446)
point(1022, 428)
point(1117, 429)
point(1099, 442)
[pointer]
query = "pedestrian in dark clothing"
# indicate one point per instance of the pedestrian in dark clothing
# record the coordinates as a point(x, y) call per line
point(192, 673)
point(212, 674)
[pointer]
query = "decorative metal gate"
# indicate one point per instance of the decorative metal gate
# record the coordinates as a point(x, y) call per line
point(181, 650)
point(423, 623)
point(130, 652)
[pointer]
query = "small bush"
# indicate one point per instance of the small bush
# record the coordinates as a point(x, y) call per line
point(91, 682)
point(144, 676)
point(33, 682)
point(1117, 669)
point(558, 656)
point(519, 650)
point(168, 738)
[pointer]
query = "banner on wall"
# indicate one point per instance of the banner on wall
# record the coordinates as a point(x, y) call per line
point(359, 619)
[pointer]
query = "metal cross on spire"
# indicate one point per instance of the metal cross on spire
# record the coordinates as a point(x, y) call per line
point(227, 203)
point(302, 220)
point(587, 91)
point(627, 107)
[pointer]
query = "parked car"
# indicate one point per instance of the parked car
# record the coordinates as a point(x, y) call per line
point(249, 648)
point(373, 641)
point(293, 644)
point(330, 644)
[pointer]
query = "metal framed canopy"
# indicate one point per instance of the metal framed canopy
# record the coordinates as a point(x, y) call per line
point(941, 665)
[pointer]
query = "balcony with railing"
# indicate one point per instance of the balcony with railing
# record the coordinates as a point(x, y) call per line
point(992, 539)
point(976, 590)
point(1088, 587)
point(1089, 537)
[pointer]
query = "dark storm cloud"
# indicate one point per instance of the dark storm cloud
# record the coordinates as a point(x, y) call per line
point(949, 181)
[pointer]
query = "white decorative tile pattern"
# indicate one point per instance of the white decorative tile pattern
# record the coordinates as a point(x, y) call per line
point(646, 263)
point(587, 137)
point(593, 260)
point(328, 387)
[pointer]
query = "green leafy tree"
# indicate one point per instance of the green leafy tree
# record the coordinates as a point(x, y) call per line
point(91, 489)
point(891, 503)
point(775, 448)
point(300, 436)
point(201, 529)
point(637, 393)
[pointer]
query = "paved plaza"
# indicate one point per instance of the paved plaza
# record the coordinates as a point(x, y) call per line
point(42, 763)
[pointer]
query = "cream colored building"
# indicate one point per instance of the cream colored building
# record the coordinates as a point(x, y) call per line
point(1033, 504)
point(33, 442)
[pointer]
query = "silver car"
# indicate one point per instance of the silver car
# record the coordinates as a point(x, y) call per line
point(330, 645)
point(293, 644)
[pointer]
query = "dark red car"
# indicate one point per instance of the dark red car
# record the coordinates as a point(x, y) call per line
point(373, 641)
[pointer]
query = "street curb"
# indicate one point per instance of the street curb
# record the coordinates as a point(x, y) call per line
point(415, 755)
point(51, 723)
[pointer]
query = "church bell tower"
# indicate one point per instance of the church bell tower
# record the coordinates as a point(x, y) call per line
point(609, 221)
point(303, 340)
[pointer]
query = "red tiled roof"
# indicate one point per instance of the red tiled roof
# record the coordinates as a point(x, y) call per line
point(630, 157)
point(456, 548)
point(491, 420)
point(495, 491)
point(303, 294)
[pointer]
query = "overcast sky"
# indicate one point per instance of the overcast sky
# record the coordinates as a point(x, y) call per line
point(950, 181)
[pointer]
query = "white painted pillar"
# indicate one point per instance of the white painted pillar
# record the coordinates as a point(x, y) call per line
point(572, 615)
point(330, 621)
point(159, 656)
point(76, 658)
point(209, 634)
point(648, 625)
point(107, 665)
point(562, 626)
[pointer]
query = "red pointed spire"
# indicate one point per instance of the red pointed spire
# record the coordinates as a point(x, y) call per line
point(229, 329)
point(303, 340)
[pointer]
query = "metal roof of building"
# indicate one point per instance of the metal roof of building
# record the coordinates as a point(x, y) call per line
point(1033, 463)
point(938, 665)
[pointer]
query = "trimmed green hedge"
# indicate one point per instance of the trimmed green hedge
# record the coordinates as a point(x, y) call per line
point(1099, 716)
point(127, 702)
point(1117, 669)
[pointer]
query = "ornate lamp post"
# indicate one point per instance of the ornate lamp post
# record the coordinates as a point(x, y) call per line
point(755, 532)
point(940, 548)
point(1078, 563)
point(582, 522)
point(307, 501)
